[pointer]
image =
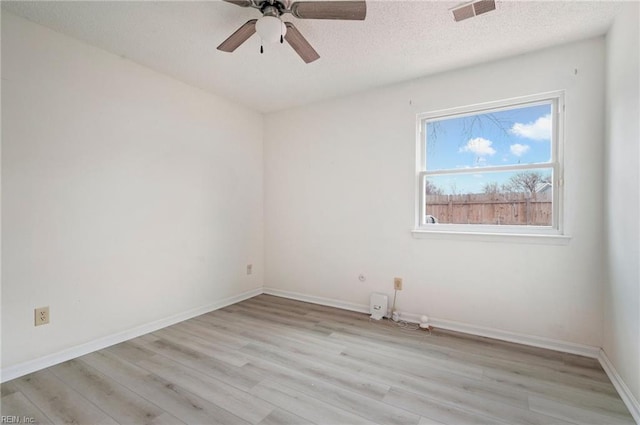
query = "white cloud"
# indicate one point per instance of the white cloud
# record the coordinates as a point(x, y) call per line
point(518, 149)
point(479, 146)
point(540, 129)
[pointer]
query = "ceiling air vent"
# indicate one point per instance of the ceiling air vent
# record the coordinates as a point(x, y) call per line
point(470, 10)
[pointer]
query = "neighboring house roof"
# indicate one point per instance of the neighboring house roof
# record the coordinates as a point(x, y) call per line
point(543, 187)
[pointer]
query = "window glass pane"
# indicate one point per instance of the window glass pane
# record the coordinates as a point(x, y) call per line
point(506, 137)
point(498, 198)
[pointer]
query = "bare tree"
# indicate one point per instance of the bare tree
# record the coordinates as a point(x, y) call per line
point(526, 181)
point(492, 188)
point(470, 125)
point(431, 189)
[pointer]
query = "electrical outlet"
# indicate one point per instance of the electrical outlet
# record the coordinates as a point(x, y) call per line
point(397, 283)
point(41, 316)
point(249, 268)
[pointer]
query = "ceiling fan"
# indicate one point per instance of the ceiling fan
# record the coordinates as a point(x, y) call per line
point(271, 28)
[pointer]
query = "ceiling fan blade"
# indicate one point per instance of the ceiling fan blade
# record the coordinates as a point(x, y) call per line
point(300, 44)
point(241, 3)
point(349, 10)
point(240, 36)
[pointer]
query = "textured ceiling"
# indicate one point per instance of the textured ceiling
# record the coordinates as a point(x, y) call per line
point(399, 40)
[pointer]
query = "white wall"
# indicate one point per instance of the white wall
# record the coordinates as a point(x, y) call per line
point(339, 201)
point(127, 197)
point(622, 279)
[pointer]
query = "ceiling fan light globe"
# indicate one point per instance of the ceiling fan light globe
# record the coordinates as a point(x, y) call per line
point(270, 28)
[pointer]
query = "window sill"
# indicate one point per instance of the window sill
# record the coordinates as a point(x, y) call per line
point(528, 238)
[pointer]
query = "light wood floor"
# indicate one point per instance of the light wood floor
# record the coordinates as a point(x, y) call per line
point(270, 360)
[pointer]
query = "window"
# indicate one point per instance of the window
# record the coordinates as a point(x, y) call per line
point(492, 168)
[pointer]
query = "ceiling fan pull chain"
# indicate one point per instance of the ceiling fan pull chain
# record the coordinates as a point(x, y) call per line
point(281, 39)
point(261, 49)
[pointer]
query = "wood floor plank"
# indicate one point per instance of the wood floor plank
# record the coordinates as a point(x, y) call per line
point(446, 347)
point(17, 405)
point(222, 371)
point(131, 351)
point(431, 409)
point(428, 421)
point(547, 369)
point(282, 417)
point(291, 313)
point(411, 381)
point(318, 368)
point(288, 338)
point(491, 403)
point(410, 363)
point(210, 332)
point(305, 406)
point(201, 345)
point(587, 362)
point(237, 402)
point(7, 388)
point(543, 384)
point(165, 419)
point(583, 397)
point(281, 319)
point(60, 402)
point(576, 376)
point(478, 344)
point(173, 397)
point(123, 405)
point(221, 319)
point(576, 414)
point(347, 400)
point(471, 350)
point(354, 382)
point(486, 407)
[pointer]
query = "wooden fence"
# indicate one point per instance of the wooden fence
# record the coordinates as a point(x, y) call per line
point(499, 208)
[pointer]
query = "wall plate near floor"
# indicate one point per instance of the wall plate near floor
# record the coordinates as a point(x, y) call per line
point(378, 305)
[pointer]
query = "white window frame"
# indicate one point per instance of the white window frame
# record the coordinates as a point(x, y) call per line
point(556, 164)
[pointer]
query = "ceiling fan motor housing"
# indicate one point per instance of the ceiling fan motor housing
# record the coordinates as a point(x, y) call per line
point(276, 7)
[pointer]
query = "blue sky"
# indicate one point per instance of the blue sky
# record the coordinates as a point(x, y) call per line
point(515, 136)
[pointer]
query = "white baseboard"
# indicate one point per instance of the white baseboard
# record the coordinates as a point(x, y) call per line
point(31, 366)
point(625, 393)
point(531, 340)
point(329, 302)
